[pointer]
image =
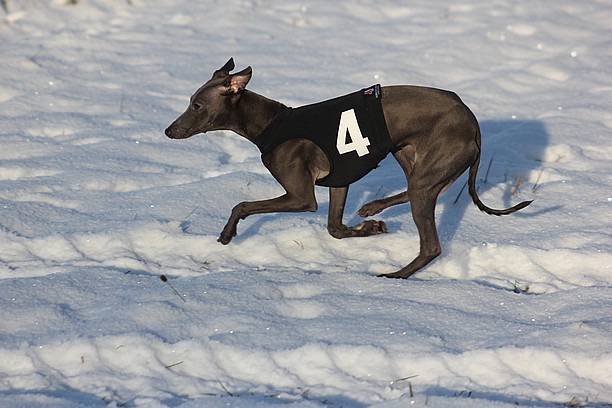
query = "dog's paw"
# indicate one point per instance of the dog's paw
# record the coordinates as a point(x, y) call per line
point(394, 275)
point(371, 227)
point(229, 232)
point(369, 209)
point(225, 238)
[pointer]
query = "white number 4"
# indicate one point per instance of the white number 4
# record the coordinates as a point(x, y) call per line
point(357, 143)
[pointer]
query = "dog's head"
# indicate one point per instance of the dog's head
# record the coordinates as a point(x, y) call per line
point(212, 106)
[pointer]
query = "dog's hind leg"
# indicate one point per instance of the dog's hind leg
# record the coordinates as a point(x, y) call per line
point(335, 227)
point(376, 206)
point(428, 180)
point(423, 215)
point(405, 158)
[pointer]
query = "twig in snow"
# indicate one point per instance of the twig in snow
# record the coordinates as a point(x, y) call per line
point(518, 288)
point(225, 389)
point(4, 6)
point(165, 280)
point(410, 393)
point(519, 180)
point(121, 103)
point(174, 365)
point(403, 379)
point(574, 402)
point(460, 192)
point(536, 185)
point(122, 108)
point(488, 169)
point(192, 211)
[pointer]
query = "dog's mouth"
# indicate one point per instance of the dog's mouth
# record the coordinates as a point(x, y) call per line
point(175, 132)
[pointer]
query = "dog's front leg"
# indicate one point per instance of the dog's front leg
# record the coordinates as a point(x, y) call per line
point(284, 203)
point(337, 201)
point(290, 165)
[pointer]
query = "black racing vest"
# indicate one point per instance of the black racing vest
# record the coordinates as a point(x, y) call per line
point(350, 129)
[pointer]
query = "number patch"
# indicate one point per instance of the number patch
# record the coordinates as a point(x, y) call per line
point(350, 138)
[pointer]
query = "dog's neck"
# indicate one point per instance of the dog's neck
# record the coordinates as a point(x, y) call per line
point(253, 114)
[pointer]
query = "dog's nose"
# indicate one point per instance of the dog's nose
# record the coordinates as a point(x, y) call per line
point(168, 132)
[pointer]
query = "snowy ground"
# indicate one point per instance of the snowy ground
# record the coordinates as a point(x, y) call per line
point(96, 204)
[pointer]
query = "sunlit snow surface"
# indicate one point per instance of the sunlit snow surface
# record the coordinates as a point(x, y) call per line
point(96, 204)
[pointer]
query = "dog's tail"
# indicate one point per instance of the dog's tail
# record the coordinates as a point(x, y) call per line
point(472, 189)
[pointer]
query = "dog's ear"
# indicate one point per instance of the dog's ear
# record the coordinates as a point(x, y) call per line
point(236, 83)
point(225, 69)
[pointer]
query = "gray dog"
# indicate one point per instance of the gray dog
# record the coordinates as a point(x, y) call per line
point(430, 132)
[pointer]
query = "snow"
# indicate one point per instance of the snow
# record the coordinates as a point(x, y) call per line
point(96, 204)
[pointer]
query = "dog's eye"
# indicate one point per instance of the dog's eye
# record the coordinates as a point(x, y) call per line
point(196, 106)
